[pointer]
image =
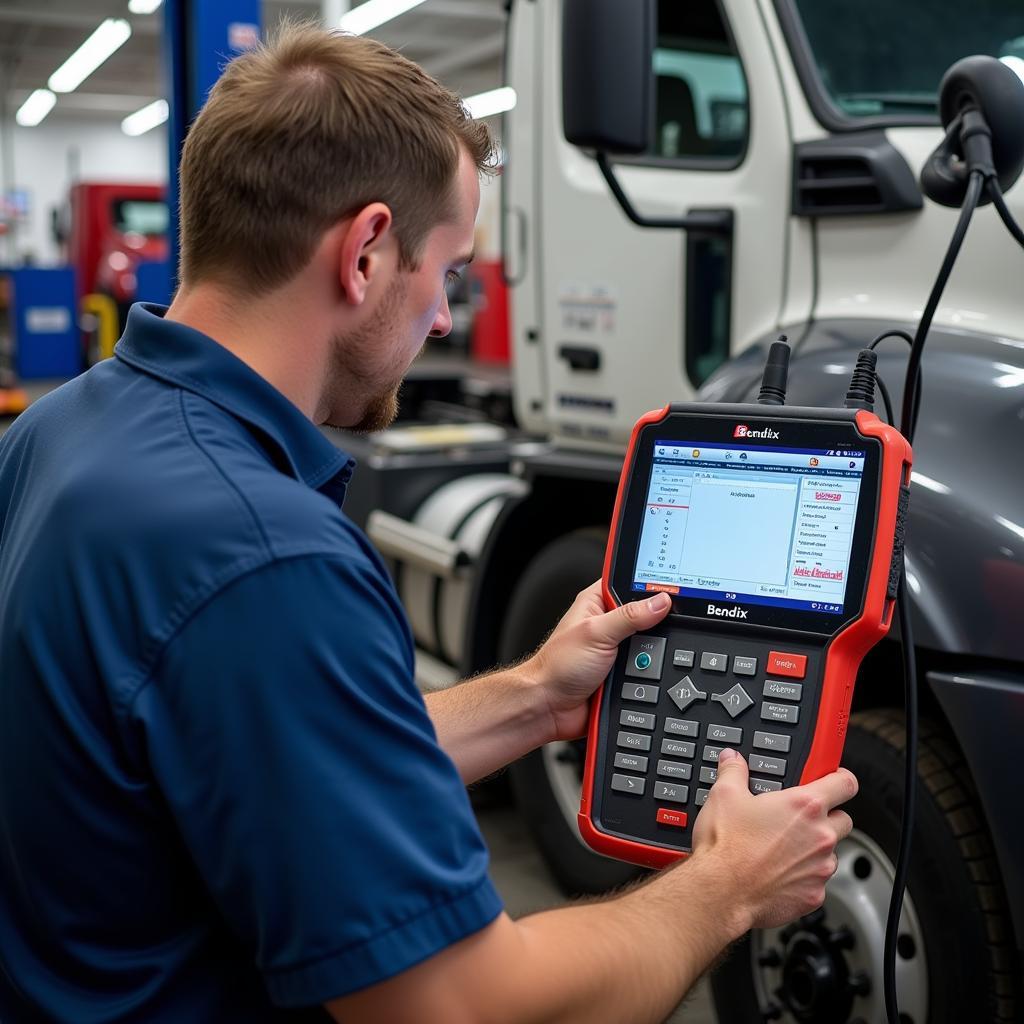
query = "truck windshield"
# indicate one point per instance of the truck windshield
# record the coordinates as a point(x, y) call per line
point(886, 57)
point(140, 216)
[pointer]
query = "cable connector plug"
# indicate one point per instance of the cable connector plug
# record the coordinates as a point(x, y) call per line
point(776, 373)
point(861, 393)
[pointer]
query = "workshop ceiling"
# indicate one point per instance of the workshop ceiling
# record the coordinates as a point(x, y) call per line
point(458, 41)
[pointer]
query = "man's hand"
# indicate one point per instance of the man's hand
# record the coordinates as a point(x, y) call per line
point(780, 845)
point(579, 654)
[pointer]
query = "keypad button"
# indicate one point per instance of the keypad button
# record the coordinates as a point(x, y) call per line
point(675, 770)
point(682, 727)
point(701, 797)
point(772, 741)
point(633, 740)
point(711, 662)
point(643, 692)
point(711, 754)
point(678, 748)
point(685, 692)
point(628, 784)
point(637, 719)
point(767, 765)
point(672, 792)
point(735, 700)
point(779, 713)
point(667, 816)
point(782, 691)
point(744, 666)
point(793, 666)
point(631, 762)
point(725, 733)
point(708, 774)
point(764, 786)
point(644, 657)
point(682, 659)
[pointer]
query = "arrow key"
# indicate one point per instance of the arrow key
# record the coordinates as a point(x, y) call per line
point(735, 700)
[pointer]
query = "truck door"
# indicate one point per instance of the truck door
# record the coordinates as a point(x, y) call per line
point(633, 317)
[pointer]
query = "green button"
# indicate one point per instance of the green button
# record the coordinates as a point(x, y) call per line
point(642, 660)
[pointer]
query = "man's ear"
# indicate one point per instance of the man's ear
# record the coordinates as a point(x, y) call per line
point(368, 250)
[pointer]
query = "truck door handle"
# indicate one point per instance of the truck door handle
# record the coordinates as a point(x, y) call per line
point(581, 357)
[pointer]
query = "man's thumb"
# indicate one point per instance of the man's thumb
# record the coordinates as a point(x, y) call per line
point(632, 617)
point(732, 768)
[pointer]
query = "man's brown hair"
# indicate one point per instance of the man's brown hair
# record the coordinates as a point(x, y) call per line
point(303, 131)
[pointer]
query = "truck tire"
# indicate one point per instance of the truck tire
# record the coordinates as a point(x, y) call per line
point(955, 957)
point(546, 783)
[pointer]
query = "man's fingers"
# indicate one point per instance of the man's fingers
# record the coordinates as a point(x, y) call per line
point(634, 616)
point(834, 789)
point(841, 822)
point(732, 769)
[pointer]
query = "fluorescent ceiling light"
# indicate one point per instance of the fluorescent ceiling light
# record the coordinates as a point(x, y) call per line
point(496, 101)
point(143, 6)
point(111, 34)
point(146, 118)
point(35, 108)
point(369, 15)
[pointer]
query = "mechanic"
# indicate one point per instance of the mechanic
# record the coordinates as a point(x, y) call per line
point(222, 797)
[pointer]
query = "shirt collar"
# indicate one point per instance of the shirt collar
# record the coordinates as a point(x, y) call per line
point(192, 360)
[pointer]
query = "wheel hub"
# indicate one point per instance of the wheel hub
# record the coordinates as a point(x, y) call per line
point(826, 968)
point(816, 981)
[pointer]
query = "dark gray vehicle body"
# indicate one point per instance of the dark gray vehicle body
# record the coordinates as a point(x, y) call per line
point(965, 538)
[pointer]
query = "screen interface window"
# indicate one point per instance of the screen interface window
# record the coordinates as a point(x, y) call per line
point(770, 526)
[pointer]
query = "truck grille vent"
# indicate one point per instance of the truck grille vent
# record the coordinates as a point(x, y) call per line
point(859, 173)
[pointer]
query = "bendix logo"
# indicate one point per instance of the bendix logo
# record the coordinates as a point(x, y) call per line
point(742, 430)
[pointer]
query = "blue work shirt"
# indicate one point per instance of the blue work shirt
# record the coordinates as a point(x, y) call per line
point(221, 796)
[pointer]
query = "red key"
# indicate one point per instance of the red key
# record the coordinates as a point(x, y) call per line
point(668, 817)
point(792, 665)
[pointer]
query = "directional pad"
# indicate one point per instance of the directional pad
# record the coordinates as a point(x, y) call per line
point(734, 700)
point(685, 692)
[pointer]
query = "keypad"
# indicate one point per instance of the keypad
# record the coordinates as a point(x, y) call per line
point(679, 701)
point(631, 762)
point(682, 727)
point(643, 692)
point(678, 748)
point(779, 713)
point(634, 740)
point(638, 719)
point(629, 784)
point(725, 733)
point(779, 690)
point(671, 791)
point(675, 769)
point(711, 662)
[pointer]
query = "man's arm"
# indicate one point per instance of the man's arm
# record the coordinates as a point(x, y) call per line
point(758, 861)
point(488, 722)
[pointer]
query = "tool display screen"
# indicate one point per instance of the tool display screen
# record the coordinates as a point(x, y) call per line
point(763, 525)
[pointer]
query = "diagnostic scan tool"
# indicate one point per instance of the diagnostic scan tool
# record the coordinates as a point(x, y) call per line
point(778, 533)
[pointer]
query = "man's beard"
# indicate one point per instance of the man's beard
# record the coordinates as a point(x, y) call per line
point(354, 353)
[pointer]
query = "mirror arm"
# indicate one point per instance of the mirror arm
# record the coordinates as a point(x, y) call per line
point(700, 220)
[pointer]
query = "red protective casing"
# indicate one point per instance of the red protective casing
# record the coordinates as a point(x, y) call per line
point(843, 656)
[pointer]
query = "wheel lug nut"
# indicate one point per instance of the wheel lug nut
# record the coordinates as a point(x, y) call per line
point(859, 983)
point(841, 938)
point(813, 919)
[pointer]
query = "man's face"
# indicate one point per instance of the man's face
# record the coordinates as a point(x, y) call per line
point(374, 359)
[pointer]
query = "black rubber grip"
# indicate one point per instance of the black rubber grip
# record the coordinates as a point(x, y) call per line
point(896, 565)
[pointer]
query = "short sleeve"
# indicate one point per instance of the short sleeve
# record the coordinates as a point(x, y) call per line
point(285, 732)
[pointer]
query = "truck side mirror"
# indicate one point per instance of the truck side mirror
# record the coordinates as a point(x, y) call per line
point(607, 74)
point(608, 94)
